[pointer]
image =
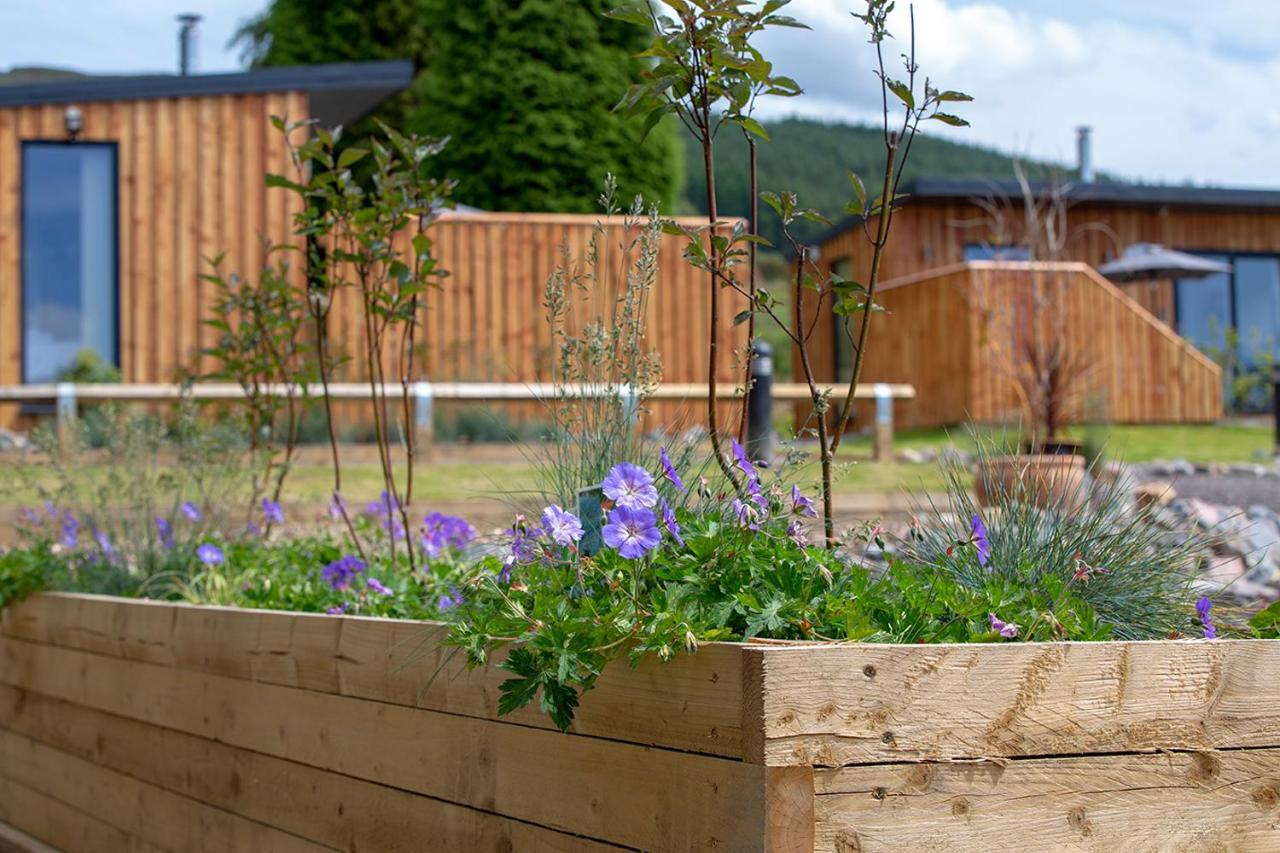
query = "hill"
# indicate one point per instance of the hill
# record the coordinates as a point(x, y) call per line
point(811, 157)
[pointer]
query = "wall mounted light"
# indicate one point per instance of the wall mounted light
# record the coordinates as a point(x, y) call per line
point(73, 119)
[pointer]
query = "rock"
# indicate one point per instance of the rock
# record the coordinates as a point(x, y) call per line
point(911, 456)
point(1181, 468)
point(10, 440)
point(1155, 494)
point(1248, 470)
point(1258, 512)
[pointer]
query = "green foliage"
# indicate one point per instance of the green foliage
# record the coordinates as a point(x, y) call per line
point(88, 366)
point(1134, 573)
point(804, 154)
point(1266, 622)
point(262, 347)
point(1249, 386)
point(523, 91)
point(22, 573)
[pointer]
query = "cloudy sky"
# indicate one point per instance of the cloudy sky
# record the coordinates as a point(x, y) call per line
point(1177, 90)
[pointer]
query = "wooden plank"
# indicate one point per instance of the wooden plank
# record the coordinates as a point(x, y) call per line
point(164, 819)
point(621, 793)
point(831, 705)
point(10, 253)
point(164, 205)
point(55, 823)
point(1165, 801)
point(327, 808)
point(691, 703)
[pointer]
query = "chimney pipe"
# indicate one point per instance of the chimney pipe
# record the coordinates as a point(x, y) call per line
point(1084, 153)
point(186, 34)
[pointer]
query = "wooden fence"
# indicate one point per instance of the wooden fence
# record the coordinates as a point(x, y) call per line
point(947, 332)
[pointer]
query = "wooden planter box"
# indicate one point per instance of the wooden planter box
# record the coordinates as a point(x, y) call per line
point(128, 725)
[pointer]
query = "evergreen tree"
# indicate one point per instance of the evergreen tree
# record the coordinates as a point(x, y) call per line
point(523, 88)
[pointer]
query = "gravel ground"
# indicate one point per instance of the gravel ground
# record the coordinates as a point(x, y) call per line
point(1242, 490)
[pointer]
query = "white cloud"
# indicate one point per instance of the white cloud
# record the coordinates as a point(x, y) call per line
point(1173, 97)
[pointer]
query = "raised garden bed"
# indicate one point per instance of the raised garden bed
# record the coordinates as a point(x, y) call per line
point(134, 725)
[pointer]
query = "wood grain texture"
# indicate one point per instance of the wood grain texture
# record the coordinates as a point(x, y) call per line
point(140, 810)
point(625, 794)
point(332, 809)
point(691, 704)
point(1182, 801)
point(1145, 381)
point(834, 705)
point(57, 825)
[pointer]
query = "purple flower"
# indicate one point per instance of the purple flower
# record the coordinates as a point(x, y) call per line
point(51, 509)
point(209, 554)
point(337, 610)
point(272, 511)
point(450, 599)
point(375, 585)
point(337, 507)
point(29, 516)
point(1005, 629)
point(673, 526)
point(757, 494)
point(630, 486)
point(797, 534)
point(104, 543)
point(980, 541)
point(524, 544)
point(70, 530)
point(562, 526)
point(340, 571)
point(252, 529)
point(669, 471)
point(384, 505)
point(801, 505)
point(746, 513)
point(165, 530)
point(741, 459)
point(191, 511)
point(633, 531)
point(1203, 606)
point(440, 531)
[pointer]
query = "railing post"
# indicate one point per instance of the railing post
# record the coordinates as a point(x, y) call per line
point(66, 409)
point(760, 402)
point(424, 429)
point(884, 423)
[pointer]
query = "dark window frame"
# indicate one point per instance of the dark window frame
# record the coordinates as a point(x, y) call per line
point(1230, 255)
point(25, 146)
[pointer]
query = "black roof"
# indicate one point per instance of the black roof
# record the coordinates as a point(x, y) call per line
point(339, 92)
point(1117, 194)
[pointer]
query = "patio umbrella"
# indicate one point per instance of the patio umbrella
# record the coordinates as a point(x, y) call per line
point(1143, 261)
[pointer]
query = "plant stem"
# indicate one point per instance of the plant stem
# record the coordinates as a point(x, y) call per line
point(751, 285)
point(819, 406)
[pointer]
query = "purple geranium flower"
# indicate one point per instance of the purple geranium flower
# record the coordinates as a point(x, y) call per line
point(51, 509)
point(337, 610)
point(70, 530)
point(450, 599)
point(746, 513)
point(440, 531)
point(165, 531)
point(980, 541)
point(673, 526)
point(634, 532)
point(191, 511)
point(1005, 629)
point(377, 586)
point(104, 543)
point(272, 511)
point(1203, 606)
point(562, 526)
point(801, 505)
point(524, 543)
point(340, 571)
point(743, 462)
point(797, 534)
point(209, 554)
point(630, 486)
point(669, 470)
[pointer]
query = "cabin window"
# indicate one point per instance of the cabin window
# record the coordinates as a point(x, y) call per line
point(1247, 300)
point(70, 282)
point(987, 252)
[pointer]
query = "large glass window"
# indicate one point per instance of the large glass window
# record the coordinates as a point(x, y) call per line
point(1257, 295)
point(69, 246)
point(987, 252)
point(1205, 310)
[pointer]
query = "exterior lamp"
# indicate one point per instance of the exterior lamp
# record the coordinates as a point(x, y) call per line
point(73, 119)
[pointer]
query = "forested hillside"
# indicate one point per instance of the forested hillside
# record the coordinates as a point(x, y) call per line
point(810, 158)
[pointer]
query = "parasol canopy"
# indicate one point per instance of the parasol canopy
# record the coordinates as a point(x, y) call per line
point(1143, 261)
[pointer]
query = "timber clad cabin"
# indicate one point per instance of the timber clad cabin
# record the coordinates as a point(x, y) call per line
point(114, 192)
point(959, 259)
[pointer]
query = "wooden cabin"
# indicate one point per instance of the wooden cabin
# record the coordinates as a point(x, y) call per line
point(114, 192)
point(964, 254)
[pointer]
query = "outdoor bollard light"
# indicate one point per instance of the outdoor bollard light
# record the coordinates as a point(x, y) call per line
point(760, 403)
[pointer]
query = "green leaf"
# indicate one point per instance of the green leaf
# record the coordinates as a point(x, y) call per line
point(350, 157)
point(948, 118)
point(900, 90)
point(741, 317)
point(950, 95)
point(750, 125)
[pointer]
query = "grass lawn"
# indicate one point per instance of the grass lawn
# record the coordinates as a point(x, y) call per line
point(462, 474)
